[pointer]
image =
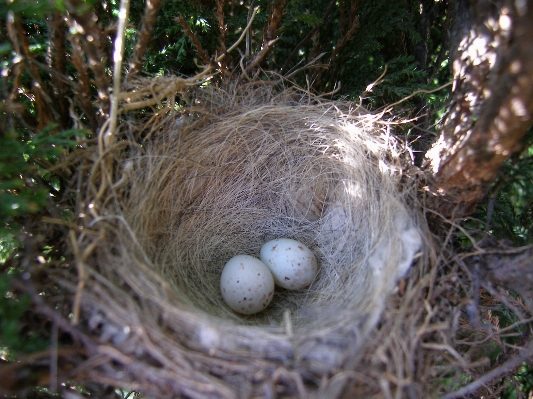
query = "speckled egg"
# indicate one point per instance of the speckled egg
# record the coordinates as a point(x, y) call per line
point(246, 284)
point(292, 264)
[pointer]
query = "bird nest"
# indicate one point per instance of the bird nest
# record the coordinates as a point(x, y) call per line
point(207, 174)
point(189, 185)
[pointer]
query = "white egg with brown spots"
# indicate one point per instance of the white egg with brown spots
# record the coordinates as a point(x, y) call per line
point(246, 284)
point(292, 264)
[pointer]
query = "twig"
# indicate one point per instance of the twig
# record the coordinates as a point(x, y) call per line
point(118, 56)
point(190, 34)
point(274, 18)
point(86, 25)
point(526, 354)
point(248, 43)
point(222, 28)
point(53, 356)
point(57, 63)
point(261, 54)
point(73, 226)
point(43, 309)
point(166, 87)
point(82, 273)
point(446, 348)
point(271, 27)
point(21, 44)
point(150, 11)
point(308, 65)
point(82, 91)
point(490, 289)
point(348, 35)
point(418, 92)
point(106, 134)
point(243, 34)
point(451, 222)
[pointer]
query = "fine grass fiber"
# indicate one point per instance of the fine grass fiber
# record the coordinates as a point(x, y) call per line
point(193, 185)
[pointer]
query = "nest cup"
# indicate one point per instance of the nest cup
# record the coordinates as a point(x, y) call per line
point(230, 172)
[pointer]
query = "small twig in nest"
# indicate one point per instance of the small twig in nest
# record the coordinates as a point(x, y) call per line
point(449, 221)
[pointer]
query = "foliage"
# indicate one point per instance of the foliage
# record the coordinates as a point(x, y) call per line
point(387, 35)
point(24, 184)
point(13, 338)
point(30, 158)
point(507, 212)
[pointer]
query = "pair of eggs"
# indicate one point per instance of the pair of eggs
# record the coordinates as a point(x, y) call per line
point(247, 283)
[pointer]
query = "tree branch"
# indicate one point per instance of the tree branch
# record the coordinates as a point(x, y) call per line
point(83, 21)
point(57, 63)
point(491, 104)
point(83, 89)
point(190, 34)
point(150, 12)
point(222, 29)
point(269, 31)
point(507, 368)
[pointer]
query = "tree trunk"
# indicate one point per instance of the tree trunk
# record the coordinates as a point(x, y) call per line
point(491, 103)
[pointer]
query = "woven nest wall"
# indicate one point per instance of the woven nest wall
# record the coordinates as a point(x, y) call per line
point(181, 192)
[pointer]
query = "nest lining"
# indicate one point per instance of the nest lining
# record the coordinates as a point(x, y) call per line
point(201, 195)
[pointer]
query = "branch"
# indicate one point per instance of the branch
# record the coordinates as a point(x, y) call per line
point(261, 54)
point(118, 56)
point(243, 34)
point(84, 88)
point(150, 12)
point(85, 24)
point(491, 105)
point(274, 17)
point(57, 65)
point(190, 34)
point(348, 35)
point(348, 29)
point(19, 39)
point(222, 29)
point(271, 27)
point(524, 355)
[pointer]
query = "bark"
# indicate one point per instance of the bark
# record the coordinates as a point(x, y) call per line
point(491, 103)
